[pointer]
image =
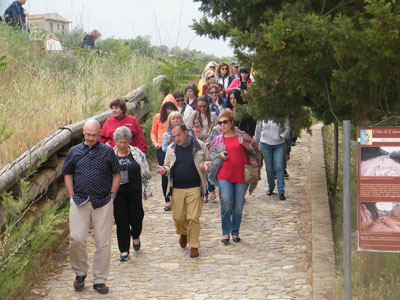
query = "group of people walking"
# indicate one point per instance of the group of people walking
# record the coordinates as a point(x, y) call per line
point(200, 146)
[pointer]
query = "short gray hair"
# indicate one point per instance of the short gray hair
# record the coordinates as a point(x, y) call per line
point(122, 132)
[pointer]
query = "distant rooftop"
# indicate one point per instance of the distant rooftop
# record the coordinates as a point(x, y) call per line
point(51, 16)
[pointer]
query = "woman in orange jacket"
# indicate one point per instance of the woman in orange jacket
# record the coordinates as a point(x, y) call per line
point(157, 131)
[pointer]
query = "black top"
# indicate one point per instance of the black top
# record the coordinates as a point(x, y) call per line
point(88, 41)
point(185, 174)
point(15, 15)
point(243, 85)
point(92, 170)
point(131, 180)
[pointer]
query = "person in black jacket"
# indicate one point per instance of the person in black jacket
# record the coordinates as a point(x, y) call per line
point(89, 40)
point(15, 15)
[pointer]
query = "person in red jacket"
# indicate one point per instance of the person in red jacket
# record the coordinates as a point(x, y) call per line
point(120, 118)
point(241, 83)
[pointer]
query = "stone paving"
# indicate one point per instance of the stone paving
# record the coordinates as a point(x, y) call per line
point(272, 261)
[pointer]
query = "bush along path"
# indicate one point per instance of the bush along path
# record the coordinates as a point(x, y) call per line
point(273, 260)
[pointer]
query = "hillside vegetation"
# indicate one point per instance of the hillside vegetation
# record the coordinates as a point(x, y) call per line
point(41, 92)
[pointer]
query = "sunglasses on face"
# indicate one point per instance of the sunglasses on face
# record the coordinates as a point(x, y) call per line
point(179, 100)
point(224, 68)
point(213, 93)
point(212, 76)
point(223, 122)
point(212, 67)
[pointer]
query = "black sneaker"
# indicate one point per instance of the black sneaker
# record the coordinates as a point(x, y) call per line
point(100, 288)
point(79, 283)
point(286, 174)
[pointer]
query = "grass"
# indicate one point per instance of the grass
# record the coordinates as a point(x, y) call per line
point(374, 275)
point(41, 92)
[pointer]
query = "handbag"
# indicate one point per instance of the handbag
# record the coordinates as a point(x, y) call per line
point(251, 174)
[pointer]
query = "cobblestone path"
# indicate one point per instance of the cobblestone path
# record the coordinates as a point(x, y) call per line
point(273, 260)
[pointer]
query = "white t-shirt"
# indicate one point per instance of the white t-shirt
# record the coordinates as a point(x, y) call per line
point(53, 45)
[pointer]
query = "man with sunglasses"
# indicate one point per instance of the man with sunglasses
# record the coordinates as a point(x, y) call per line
point(184, 109)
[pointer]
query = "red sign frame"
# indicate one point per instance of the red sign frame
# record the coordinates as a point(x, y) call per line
point(378, 189)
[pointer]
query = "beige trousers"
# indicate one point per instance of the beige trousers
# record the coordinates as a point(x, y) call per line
point(186, 207)
point(79, 224)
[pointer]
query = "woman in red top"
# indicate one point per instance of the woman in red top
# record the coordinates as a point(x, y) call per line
point(232, 148)
point(120, 118)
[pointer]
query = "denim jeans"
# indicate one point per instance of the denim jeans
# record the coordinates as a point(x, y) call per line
point(274, 158)
point(232, 202)
point(210, 187)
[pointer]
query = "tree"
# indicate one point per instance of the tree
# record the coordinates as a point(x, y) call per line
point(335, 57)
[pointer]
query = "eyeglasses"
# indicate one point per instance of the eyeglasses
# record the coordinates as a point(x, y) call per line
point(179, 100)
point(223, 122)
point(212, 76)
point(202, 106)
point(213, 93)
point(224, 68)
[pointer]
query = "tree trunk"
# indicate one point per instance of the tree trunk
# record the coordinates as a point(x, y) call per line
point(336, 154)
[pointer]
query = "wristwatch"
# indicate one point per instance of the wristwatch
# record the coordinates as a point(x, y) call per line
point(113, 195)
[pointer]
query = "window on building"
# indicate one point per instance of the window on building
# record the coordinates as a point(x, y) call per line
point(58, 27)
point(51, 27)
point(63, 27)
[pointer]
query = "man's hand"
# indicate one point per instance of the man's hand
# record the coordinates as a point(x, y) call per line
point(157, 146)
point(204, 166)
point(168, 139)
point(161, 170)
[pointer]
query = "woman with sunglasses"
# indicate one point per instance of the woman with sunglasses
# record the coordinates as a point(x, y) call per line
point(212, 79)
point(217, 103)
point(202, 121)
point(211, 66)
point(224, 75)
point(230, 151)
point(185, 110)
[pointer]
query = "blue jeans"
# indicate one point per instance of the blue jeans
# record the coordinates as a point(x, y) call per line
point(210, 187)
point(274, 158)
point(231, 205)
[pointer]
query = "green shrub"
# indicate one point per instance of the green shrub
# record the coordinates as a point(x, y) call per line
point(24, 241)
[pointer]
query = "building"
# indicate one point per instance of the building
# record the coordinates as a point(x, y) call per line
point(52, 22)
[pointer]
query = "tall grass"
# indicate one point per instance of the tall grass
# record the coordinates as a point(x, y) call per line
point(375, 276)
point(40, 92)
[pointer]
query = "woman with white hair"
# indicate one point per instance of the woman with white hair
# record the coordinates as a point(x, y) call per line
point(135, 181)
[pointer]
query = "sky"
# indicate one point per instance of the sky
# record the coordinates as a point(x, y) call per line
point(165, 21)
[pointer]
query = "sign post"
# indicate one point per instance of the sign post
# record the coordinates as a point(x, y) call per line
point(347, 209)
